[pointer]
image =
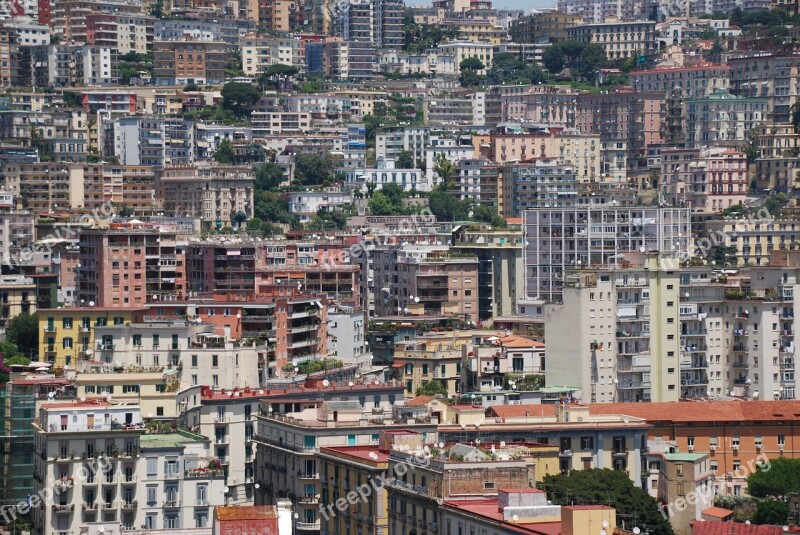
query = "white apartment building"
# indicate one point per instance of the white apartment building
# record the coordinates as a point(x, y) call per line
point(557, 239)
point(461, 50)
point(266, 123)
point(657, 332)
point(102, 466)
point(386, 173)
point(391, 142)
point(447, 148)
point(258, 53)
point(189, 352)
point(306, 204)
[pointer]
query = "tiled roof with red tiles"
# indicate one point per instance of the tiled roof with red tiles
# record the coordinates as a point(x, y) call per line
point(734, 528)
point(513, 341)
point(247, 520)
point(717, 512)
point(419, 401)
point(704, 411)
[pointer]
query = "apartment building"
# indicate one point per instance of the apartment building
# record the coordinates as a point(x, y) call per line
point(425, 279)
point(289, 447)
point(105, 468)
point(276, 123)
point(16, 231)
point(755, 240)
point(379, 22)
point(389, 143)
point(306, 204)
point(461, 50)
point(386, 173)
point(696, 81)
point(560, 238)
point(259, 52)
point(734, 434)
point(280, 15)
point(347, 467)
point(778, 157)
point(631, 355)
point(189, 61)
point(543, 26)
point(19, 399)
point(768, 76)
point(68, 332)
point(722, 119)
point(130, 264)
point(218, 195)
point(500, 264)
point(620, 40)
point(674, 476)
point(586, 438)
point(708, 180)
point(582, 151)
point(69, 17)
point(152, 141)
point(126, 32)
point(544, 183)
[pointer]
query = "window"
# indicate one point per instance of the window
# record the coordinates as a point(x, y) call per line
point(681, 491)
point(152, 492)
point(152, 466)
point(781, 440)
point(587, 443)
point(517, 364)
point(150, 520)
point(194, 361)
point(214, 361)
point(679, 469)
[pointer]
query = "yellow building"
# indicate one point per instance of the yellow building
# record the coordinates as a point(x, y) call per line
point(345, 469)
point(67, 334)
point(17, 296)
point(363, 102)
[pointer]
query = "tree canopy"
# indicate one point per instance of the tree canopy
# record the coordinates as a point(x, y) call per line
point(608, 487)
point(405, 160)
point(771, 512)
point(418, 38)
point(238, 96)
point(269, 176)
point(23, 332)
point(313, 169)
point(224, 153)
point(432, 388)
point(781, 479)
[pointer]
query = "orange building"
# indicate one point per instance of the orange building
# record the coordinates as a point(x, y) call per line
point(739, 436)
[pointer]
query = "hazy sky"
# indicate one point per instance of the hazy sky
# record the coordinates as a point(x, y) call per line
point(502, 4)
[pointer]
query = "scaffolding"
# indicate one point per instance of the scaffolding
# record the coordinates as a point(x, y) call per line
point(17, 411)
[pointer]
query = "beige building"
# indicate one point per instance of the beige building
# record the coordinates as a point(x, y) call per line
point(625, 334)
point(778, 157)
point(707, 180)
point(618, 39)
point(17, 296)
point(683, 475)
point(213, 193)
point(259, 52)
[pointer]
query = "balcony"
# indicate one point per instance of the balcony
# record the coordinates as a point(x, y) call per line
point(619, 452)
point(172, 474)
point(308, 476)
point(309, 498)
point(129, 479)
point(63, 508)
point(64, 483)
point(50, 328)
point(171, 504)
point(128, 506)
point(307, 526)
point(202, 473)
point(89, 506)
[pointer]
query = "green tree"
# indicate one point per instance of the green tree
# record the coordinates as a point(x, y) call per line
point(157, 10)
point(750, 145)
point(405, 160)
point(723, 255)
point(8, 350)
point(190, 87)
point(553, 59)
point(73, 99)
point(781, 479)
point(489, 215)
point(446, 206)
point(269, 176)
point(608, 487)
point(224, 153)
point(23, 331)
point(280, 69)
point(592, 58)
point(380, 204)
point(445, 169)
point(471, 64)
point(273, 207)
point(237, 96)
point(16, 360)
point(433, 388)
point(313, 169)
point(771, 512)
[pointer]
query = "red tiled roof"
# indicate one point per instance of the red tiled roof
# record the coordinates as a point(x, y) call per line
point(249, 520)
point(419, 401)
point(704, 411)
point(359, 452)
point(717, 512)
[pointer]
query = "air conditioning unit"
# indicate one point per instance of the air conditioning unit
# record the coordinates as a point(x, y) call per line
point(735, 447)
point(713, 447)
point(780, 447)
point(691, 447)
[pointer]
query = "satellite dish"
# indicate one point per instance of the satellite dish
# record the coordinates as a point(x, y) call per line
point(83, 398)
point(51, 395)
point(463, 426)
point(605, 523)
point(603, 532)
point(349, 383)
point(91, 303)
point(326, 383)
point(226, 489)
point(636, 531)
point(373, 456)
point(258, 486)
point(441, 444)
point(502, 443)
point(416, 299)
point(515, 518)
